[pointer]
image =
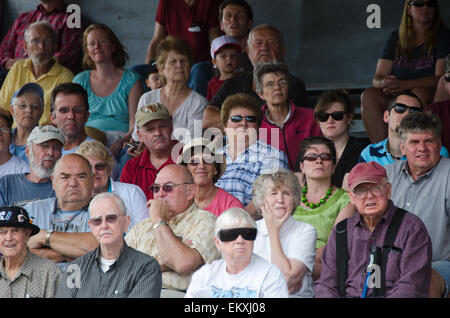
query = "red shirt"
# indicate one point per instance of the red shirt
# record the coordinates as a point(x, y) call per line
point(141, 172)
point(213, 86)
point(300, 125)
point(442, 110)
point(68, 41)
point(177, 18)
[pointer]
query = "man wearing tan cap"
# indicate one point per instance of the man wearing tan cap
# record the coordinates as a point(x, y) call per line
point(382, 251)
point(44, 146)
point(154, 129)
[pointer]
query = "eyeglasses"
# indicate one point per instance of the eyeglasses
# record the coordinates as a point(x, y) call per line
point(271, 84)
point(45, 42)
point(421, 3)
point(109, 218)
point(229, 235)
point(33, 107)
point(75, 110)
point(361, 192)
point(323, 117)
point(238, 119)
point(401, 108)
point(100, 166)
point(322, 156)
point(5, 130)
point(205, 160)
point(166, 187)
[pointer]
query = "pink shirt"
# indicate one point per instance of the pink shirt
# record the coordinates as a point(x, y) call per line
point(223, 201)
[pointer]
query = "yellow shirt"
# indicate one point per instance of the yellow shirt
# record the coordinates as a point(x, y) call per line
point(194, 224)
point(22, 72)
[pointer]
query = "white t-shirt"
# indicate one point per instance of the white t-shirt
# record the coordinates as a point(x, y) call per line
point(14, 165)
point(189, 111)
point(260, 279)
point(298, 240)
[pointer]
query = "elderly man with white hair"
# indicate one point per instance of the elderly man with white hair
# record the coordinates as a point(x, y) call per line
point(240, 273)
point(44, 147)
point(113, 269)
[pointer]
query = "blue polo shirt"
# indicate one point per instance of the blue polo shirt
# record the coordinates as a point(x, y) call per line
point(378, 152)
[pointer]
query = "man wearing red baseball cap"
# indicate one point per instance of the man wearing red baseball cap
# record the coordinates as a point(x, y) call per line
point(387, 251)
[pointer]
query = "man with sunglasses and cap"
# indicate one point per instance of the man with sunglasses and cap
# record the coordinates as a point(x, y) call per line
point(381, 251)
point(388, 151)
point(240, 273)
point(154, 128)
point(442, 108)
point(43, 149)
point(178, 233)
point(421, 185)
point(22, 273)
point(113, 269)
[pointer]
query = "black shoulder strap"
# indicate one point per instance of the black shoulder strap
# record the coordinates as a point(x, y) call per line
point(389, 239)
point(341, 256)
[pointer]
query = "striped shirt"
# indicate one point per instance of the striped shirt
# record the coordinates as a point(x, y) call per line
point(133, 275)
point(257, 159)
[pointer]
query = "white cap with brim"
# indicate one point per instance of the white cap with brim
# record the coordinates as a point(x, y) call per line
point(42, 134)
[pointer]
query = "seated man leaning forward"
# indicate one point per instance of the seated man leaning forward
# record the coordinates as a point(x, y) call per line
point(113, 269)
point(383, 251)
point(178, 234)
point(63, 220)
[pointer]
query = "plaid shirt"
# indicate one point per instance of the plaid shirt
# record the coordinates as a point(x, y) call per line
point(239, 175)
point(68, 41)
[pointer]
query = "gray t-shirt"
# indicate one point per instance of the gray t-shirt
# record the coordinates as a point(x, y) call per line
point(16, 189)
point(428, 197)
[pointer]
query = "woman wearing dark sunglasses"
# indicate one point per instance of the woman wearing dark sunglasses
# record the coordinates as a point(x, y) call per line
point(240, 273)
point(199, 155)
point(334, 114)
point(412, 59)
point(246, 155)
point(102, 164)
point(322, 204)
point(281, 116)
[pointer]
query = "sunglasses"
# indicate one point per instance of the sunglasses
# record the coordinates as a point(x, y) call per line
point(323, 117)
point(100, 166)
point(75, 110)
point(238, 119)
point(110, 219)
point(247, 233)
point(166, 187)
point(322, 156)
point(421, 3)
point(205, 160)
point(401, 108)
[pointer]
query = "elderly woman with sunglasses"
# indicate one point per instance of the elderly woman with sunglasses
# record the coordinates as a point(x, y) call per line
point(281, 116)
point(334, 114)
point(322, 204)
point(240, 273)
point(413, 58)
point(246, 155)
point(102, 164)
point(282, 240)
point(199, 155)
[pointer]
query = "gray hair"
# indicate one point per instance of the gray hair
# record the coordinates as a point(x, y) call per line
point(14, 99)
point(44, 24)
point(280, 177)
point(418, 123)
point(262, 69)
point(233, 217)
point(267, 27)
point(109, 195)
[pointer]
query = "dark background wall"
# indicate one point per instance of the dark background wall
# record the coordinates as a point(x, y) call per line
point(328, 42)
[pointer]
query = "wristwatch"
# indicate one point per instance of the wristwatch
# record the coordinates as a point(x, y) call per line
point(159, 224)
point(47, 237)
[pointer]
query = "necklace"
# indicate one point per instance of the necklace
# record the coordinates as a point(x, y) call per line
point(321, 202)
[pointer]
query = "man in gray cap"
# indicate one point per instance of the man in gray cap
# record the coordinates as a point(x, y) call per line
point(43, 149)
point(154, 129)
